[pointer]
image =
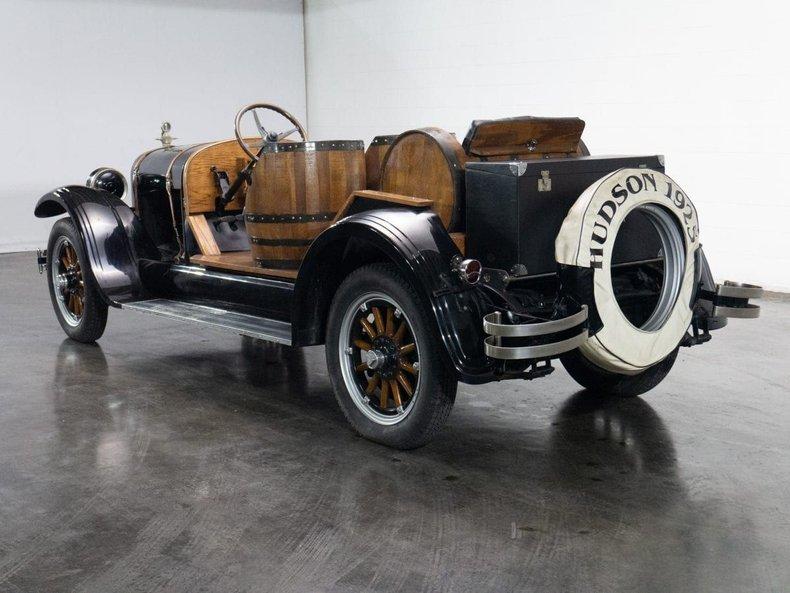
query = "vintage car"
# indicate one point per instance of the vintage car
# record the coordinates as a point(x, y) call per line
point(420, 262)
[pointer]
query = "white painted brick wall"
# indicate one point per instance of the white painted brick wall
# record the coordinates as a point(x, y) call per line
point(705, 83)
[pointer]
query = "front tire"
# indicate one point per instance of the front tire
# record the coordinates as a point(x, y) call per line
point(80, 309)
point(384, 358)
point(603, 382)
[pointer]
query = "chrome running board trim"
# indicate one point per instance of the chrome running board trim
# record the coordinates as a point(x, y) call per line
point(253, 326)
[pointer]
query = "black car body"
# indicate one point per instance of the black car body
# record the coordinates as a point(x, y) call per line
point(504, 309)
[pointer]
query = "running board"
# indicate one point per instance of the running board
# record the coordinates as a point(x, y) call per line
point(239, 323)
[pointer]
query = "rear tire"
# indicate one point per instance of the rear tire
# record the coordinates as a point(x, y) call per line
point(603, 382)
point(79, 307)
point(402, 354)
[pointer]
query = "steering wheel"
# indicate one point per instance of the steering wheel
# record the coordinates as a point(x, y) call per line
point(266, 136)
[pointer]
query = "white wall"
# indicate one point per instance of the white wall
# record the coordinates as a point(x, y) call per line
point(87, 83)
point(705, 83)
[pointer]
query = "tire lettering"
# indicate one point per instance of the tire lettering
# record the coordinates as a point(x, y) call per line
point(621, 193)
point(637, 182)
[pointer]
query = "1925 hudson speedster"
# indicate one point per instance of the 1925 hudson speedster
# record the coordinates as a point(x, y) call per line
point(419, 263)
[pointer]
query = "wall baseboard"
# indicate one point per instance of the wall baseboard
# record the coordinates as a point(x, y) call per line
point(23, 246)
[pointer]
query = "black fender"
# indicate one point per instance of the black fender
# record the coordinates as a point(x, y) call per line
point(112, 236)
point(421, 248)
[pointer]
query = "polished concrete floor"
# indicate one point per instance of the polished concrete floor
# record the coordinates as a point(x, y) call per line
point(168, 458)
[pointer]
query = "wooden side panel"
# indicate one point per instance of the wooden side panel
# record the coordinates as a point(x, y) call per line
point(199, 187)
point(383, 197)
point(524, 137)
point(429, 164)
point(239, 261)
point(460, 241)
point(202, 234)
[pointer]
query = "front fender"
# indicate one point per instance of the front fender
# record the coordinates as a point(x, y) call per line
point(113, 237)
point(418, 244)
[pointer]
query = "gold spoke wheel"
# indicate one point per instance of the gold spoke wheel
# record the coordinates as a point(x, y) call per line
point(383, 357)
point(68, 281)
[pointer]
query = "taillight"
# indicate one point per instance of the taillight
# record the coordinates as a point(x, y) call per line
point(469, 270)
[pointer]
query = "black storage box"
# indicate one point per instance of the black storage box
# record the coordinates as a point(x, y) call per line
point(510, 221)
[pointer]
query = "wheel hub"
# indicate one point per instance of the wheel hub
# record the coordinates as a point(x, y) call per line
point(374, 358)
point(69, 280)
point(384, 356)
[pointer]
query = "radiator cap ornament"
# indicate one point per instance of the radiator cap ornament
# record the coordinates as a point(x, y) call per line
point(165, 138)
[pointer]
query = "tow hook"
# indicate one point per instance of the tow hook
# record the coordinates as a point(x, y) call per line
point(41, 260)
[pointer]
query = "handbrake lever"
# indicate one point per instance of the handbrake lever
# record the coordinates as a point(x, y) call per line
point(228, 192)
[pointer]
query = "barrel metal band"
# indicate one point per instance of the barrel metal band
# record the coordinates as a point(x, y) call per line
point(383, 140)
point(316, 146)
point(281, 242)
point(279, 264)
point(291, 218)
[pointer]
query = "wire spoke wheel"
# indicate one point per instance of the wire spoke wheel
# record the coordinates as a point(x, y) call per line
point(68, 281)
point(380, 358)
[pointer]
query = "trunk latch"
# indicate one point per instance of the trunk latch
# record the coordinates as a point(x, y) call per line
point(544, 183)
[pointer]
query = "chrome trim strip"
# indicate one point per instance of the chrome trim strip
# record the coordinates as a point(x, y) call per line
point(492, 326)
point(316, 146)
point(533, 352)
point(747, 312)
point(169, 190)
point(197, 270)
point(739, 291)
point(135, 175)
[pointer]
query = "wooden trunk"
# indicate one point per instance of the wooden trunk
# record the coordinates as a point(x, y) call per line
point(297, 189)
point(374, 158)
point(525, 138)
point(428, 163)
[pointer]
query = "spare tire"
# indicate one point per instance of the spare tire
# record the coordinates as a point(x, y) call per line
point(584, 248)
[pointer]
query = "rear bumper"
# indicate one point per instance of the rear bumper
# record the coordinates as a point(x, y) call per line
point(536, 340)
point(731, 300)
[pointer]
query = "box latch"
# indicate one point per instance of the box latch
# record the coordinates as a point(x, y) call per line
point(544, 183)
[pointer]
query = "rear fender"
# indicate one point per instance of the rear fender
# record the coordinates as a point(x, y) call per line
point(418, 244)
point(113, 238)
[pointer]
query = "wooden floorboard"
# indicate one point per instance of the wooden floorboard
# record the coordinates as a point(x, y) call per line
point(239, 261)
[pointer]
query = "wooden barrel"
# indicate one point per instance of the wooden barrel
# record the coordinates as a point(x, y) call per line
point(428, 163)
point(297, 189)
point(374, 157)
